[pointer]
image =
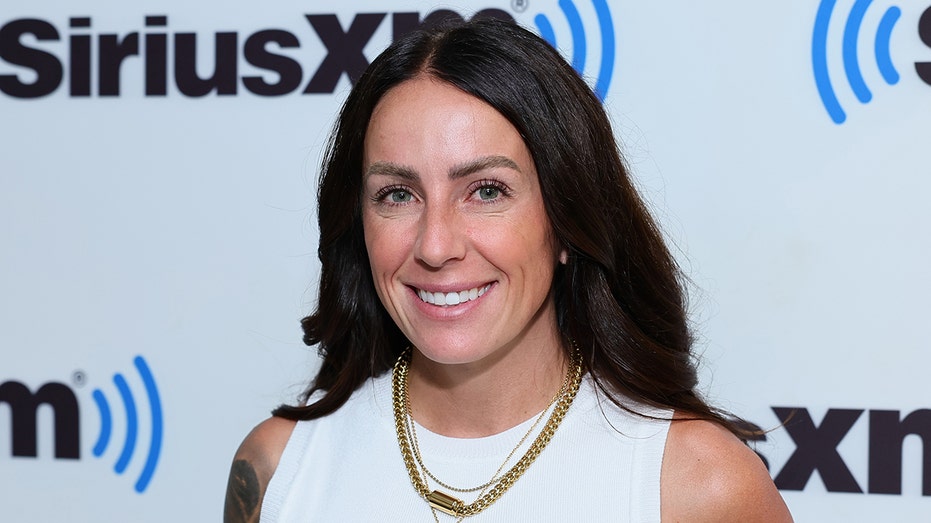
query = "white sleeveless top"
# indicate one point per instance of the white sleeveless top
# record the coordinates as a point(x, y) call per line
point(603, 464)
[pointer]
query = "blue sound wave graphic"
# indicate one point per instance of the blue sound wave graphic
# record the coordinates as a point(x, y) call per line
point(851, 60)
point(579, 42)
point(132, 423)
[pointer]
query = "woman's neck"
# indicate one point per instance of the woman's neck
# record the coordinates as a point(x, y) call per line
point(489, 396)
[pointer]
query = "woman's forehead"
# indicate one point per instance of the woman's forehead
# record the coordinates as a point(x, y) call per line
point(426, 118)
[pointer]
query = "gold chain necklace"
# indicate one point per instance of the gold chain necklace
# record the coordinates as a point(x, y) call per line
point(444, 502)
point(412, 434)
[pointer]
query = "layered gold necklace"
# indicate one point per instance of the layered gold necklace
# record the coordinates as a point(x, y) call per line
point(497, 486)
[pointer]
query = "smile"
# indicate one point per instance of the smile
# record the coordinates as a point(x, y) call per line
point(446, 299)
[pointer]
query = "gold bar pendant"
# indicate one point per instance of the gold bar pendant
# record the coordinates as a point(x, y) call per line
point(444, 502)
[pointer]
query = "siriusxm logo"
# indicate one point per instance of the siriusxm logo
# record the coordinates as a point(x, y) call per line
point(170, 60)
point(853, 29)
point(38, 57)
point(132, 423)
point(579, 40)
point(61, 398)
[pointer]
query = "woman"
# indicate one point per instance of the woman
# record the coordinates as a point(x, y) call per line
point(502, 328)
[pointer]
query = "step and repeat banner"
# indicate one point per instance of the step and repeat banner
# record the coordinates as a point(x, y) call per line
point(158, 164)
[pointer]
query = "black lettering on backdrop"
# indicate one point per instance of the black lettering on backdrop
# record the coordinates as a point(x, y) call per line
point(112, 53)
point(80, 67)
point(924, 32)
point(403, 23)
point(109, 52)
point(48, 69)
point(156, 58)
point(256, 53)
point(23, 405)
point(344, 49)
point(224, 76)
point(816, 449)
point(887, 435)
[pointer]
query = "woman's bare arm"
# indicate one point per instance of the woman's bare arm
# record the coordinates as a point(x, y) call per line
point(710, 475)
point(252, 469)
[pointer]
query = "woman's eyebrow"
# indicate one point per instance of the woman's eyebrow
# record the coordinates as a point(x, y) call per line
point(391, 169)
point(459, 171)
point(480, 164)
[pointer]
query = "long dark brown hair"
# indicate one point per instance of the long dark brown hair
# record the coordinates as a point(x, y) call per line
point(620, 297)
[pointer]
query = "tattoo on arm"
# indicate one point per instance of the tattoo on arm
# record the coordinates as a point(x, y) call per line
point(242, 494)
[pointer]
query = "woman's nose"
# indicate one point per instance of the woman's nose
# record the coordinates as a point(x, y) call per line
point(440, 238)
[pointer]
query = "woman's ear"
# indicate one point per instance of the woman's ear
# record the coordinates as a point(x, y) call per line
point(563, 256)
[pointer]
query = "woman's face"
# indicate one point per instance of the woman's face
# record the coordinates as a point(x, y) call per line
point(461, 250)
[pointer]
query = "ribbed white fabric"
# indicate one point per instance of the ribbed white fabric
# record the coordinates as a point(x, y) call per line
point(603, 464)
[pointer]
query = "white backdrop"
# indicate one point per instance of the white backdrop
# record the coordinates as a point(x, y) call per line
point(181, 229)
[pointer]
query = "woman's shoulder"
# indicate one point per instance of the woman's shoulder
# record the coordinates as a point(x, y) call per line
point(253, 466)
point(708, 474)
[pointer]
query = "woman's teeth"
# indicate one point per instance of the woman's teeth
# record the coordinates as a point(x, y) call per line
point(443, 299)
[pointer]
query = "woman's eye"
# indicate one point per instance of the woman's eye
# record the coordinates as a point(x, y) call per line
point(393, 195)
point(489, 192)
point(400, 196)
